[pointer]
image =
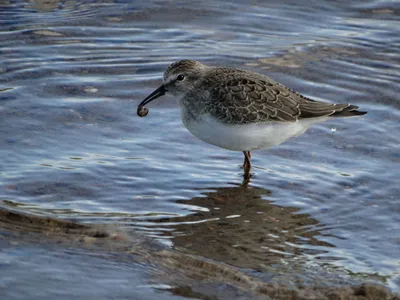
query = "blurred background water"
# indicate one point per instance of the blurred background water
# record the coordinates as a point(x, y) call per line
point(72, 146)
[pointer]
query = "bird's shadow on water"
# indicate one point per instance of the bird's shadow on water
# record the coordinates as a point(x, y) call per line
point(245, 181)
point(240, 226)
point(247, 177)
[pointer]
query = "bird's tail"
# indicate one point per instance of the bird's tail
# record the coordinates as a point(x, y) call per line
point(314, 109)
point(349, 111)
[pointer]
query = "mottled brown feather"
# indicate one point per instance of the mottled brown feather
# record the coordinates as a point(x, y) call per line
point(240, 97)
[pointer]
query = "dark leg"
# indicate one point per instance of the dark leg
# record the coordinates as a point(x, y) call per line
point(247, 157)
point(247, 163)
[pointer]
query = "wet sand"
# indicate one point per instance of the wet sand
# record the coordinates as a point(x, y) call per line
point(189, 274)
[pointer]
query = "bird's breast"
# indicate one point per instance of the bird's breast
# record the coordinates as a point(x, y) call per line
point(240, 137)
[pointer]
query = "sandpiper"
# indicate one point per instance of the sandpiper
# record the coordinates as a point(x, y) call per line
point(240, 110)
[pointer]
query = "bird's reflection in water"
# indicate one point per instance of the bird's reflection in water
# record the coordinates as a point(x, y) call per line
point(243, 228)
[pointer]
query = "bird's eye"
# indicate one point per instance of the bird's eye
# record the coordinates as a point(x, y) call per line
point(180, 77)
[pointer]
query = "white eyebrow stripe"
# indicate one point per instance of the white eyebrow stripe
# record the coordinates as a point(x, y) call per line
point(169, 79)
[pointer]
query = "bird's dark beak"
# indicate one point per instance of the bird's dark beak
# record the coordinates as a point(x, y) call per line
point(154, 95)
point(141, 110)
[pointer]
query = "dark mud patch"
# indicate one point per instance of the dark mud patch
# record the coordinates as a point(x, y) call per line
point(188, 275)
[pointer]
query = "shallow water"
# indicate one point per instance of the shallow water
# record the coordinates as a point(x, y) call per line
point(71, 145)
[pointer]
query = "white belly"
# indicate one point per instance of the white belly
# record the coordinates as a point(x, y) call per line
point(245, 137)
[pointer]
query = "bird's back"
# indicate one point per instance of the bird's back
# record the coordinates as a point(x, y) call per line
point(239, 97)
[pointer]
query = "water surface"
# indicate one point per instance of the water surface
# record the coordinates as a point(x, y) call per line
point(71, 145)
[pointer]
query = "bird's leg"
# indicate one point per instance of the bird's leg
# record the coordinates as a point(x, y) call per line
point(247, 157)
point(247, 163)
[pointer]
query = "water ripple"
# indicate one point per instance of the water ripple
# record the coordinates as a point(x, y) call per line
point(72, 73)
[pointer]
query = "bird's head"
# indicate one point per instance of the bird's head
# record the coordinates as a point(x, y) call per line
point(179, 78)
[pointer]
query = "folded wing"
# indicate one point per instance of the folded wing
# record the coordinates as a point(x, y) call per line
point(248, 97)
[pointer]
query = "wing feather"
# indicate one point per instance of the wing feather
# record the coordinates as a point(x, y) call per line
point(240, 97)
